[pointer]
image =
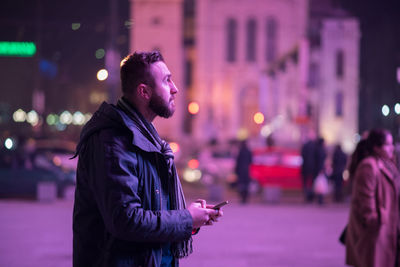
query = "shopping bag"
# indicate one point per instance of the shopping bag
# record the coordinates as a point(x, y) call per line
point(321, 184)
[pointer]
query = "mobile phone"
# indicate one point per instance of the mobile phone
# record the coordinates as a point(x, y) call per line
point(219, 205)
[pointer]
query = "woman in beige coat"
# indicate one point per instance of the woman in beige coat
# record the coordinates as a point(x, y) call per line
point(373, 229)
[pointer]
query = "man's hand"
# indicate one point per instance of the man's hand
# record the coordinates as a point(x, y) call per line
point(202, 214)
point(214, 218)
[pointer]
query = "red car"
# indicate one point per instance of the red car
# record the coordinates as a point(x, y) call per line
point(277, 167)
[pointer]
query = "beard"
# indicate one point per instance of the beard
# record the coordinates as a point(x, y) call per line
point(161, 107)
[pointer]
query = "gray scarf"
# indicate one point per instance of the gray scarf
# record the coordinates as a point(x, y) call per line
point(178, 249)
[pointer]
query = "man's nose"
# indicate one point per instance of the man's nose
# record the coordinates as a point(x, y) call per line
point(173, 87)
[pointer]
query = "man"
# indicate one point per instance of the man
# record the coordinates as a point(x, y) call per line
point(308, 168)
point(339, 163)
point(129, 206)
point(242, 170)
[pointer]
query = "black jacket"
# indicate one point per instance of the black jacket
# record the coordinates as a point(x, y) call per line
point(117, 210)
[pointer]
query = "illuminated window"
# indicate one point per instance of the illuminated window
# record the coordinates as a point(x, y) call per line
point(339, 104)
point(271, 36)
point(339, 64)
point(188, 73)
point(313, 75)
point(231, 40)
point(251, 40)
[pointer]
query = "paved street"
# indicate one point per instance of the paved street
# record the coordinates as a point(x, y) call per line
point(281, 235)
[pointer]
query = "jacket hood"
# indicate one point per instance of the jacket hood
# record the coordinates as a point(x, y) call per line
point(109, 116)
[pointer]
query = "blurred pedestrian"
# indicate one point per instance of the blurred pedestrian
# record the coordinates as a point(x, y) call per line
point(339, 162)
point(242, 170)
point(313, 155)
point(373, 229)
point(129, 206)
point(307, 169)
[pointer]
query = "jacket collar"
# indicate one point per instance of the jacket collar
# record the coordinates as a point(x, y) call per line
point(385, 170)
point(138, 137)
point(110, 116)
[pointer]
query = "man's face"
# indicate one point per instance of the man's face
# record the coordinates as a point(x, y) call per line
point(164, 90)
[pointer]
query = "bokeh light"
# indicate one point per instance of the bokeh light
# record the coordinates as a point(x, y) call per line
point(78, 118)
point(385, 110)
point(75, 26)
point(60, 126)
point(102, 74)
point(356, 137)
point(52, 119)
point(398, 74)
point(242, 134)
point(128, 24)
point(66, 117)
point(191, 176)
point(9, 143)
point(100, 53)
point(193, 108)
point(193, 164)
point(266, 130)
point(346, 175)
point(397, 108)
point(32, 117)
point(174, 147)
point(19, 116)
point(258, 118)
point(57, 161)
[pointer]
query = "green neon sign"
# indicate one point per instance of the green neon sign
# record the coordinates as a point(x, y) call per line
point(17, 49)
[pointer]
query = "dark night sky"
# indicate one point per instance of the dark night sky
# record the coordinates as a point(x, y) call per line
point(379, 59)
point(71, 54)
point(48, 24)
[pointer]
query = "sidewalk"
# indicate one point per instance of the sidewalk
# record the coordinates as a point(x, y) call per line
point(286, 234)
point(274, 236)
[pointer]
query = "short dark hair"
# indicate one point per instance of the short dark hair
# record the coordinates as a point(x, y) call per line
point(360, 153)
point(365, 148)
point(135, 69)
point(376, 138)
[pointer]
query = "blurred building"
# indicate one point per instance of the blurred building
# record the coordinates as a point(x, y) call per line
point(293, 61)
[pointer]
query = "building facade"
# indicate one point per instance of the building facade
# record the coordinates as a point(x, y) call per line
point(292, 62)
point(158, 25)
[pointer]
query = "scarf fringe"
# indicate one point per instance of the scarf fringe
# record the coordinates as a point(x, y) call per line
point(182, 252)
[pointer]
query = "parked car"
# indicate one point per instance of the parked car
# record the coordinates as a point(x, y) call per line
point(276, 166)
point(211, 164)
point(23, 183)
point(23, 169)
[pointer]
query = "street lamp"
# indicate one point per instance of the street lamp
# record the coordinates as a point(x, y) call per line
point(258, 118)
point(193, 108)
point(385, 110)
point(102, 74)
point(397, 108)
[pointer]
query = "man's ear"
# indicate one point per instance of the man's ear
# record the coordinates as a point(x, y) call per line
point(144, 91)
